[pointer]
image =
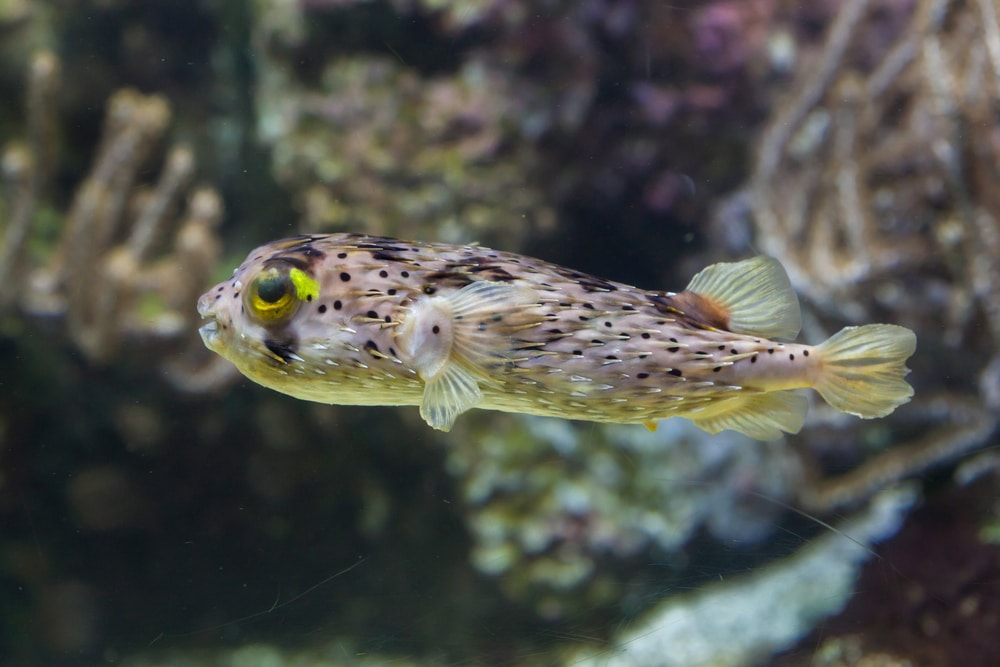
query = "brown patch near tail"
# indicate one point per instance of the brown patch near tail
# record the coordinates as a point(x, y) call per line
point(702, 310)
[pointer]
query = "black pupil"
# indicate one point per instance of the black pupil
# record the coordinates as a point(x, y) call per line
point(272, 289)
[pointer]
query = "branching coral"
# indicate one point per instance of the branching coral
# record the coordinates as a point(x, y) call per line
point(109, 273)
point(873, 184)
point(411, 158)
point(373, 143)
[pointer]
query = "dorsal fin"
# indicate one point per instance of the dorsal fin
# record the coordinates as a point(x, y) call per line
point(755, 296)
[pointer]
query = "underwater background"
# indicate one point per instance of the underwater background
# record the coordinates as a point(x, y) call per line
point(156, 509)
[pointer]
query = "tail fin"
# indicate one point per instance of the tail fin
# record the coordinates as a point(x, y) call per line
point(863, 369)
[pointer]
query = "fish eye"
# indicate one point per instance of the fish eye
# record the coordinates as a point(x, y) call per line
point(272, 295)
point(278, 291)
point(272, 289)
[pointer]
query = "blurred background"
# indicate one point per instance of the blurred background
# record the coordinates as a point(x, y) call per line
point(157, 509)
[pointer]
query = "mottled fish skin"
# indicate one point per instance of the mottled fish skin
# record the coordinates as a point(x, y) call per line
point(377, 321)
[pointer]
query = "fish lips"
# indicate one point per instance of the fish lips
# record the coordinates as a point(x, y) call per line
point(209, 332)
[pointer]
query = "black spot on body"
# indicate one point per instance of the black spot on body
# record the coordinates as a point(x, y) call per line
point(371, 346)
point(578, 353)
point(791, 357)
point(342, 255)
point(805, 353)
point(717, 369)
point(722, 347)
point(405, 274)
point(676, 372)
point(372, 314)
point(322, 309)
point(753, 359)
point(642, 376)
point(391, 292)
point(733, 351)
point(771, 351)
point(309, 297)
point(337, 305)
point(673, 349)
point(435, 329)
point(345, 276)
point(607, 324)
point(646, 336)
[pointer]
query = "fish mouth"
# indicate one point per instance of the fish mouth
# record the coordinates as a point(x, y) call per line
point(209, 331)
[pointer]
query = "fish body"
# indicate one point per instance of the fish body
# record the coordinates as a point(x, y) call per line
point(360, 320)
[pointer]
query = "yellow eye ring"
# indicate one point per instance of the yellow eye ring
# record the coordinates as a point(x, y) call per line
point(276, 293)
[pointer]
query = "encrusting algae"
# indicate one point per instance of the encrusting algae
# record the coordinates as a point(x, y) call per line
point(362, 320)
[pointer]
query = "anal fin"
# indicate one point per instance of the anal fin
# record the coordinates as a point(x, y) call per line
point(459, 341)
point(763, 416)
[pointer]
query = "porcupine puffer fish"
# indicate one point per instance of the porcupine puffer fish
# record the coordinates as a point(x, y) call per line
point(360, 320)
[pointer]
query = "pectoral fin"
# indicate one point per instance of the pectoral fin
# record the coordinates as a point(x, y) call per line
point(447, 396)
point(458, 342)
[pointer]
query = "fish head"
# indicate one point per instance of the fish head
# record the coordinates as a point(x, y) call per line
point(263, 318)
